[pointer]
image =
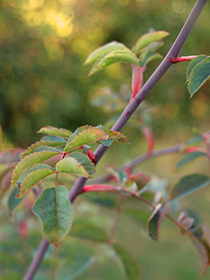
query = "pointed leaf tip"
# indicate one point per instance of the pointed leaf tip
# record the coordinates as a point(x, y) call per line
point(76, 163)
point(188, 185)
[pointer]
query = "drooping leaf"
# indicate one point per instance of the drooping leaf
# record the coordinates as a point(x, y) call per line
point(155, 221)
point(31, 176)
point(100, 52)
point(147, 39)
point(51, 141)
point(55, 212)
point(13, 202)
point(76, 163)
point(199, 75)
point(129, 262)
point(38, 156)
point(148, 57)
point(54, 131)
point(118, 174)
point(85, 230)
point(85, 135)
point(203, 250)
point(112, 57)
point(189, 184)
point(189, 158)
point(192, 64)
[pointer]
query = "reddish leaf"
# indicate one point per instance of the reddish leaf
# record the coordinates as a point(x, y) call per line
point(149, 137)
point(137, 79)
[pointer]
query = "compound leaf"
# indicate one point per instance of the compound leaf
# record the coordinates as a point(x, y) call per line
point(51, 141)
point(55, 211)
point(189, 184)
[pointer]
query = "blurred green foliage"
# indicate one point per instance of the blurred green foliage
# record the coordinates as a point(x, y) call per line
point(45, 42)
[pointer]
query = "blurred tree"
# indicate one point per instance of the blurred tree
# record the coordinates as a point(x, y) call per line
point(45, 42)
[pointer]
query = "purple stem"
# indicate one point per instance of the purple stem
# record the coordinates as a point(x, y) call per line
point(129, 110)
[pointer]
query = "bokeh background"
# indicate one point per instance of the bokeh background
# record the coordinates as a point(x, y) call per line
point(43, 45)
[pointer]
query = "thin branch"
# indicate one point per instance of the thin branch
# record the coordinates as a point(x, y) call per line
point(140, 159)
point(129, 110)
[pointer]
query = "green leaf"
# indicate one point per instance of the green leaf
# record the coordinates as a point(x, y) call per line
point(148, 38)
point(112, 57)
point(76, 163)
point(112, 135)
point(189, 158)
point(85, 230)
point(189, 184)
point(31, 176)
point(13, 202)
point(148, 57)
point(51, 141)
point(85, 135)
point(36, 157)
point(129, 262)
point(54, 131)
point(199, 75)
point(55, 212)
point(100, 52)
point(192, 64)
point(155, 221)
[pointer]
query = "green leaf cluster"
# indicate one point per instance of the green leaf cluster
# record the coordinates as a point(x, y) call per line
point(113, 52)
